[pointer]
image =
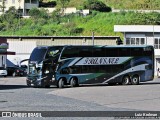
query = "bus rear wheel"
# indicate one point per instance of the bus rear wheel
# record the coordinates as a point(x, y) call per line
point(135, 80)
point(74, 82)
point(125, 80)
point(61, 83)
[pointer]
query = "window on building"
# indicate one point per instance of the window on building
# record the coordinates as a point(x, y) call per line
point(132, 41)
point(157, 43)
point(27, 11)
point(127, 41)
point(135, 41)
point(34, 1)
point(142, 41)
point(27, 1)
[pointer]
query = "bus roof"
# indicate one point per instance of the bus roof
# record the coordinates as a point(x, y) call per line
point(46, 47)
point(129, 46)
point(113, 46)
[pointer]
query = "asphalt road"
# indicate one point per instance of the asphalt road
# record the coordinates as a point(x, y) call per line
point(16, 96)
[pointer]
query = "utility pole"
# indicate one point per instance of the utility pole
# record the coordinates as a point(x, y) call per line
point(19, 12)
point(93, 38)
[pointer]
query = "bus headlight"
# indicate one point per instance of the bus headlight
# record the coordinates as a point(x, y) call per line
point(46, 72)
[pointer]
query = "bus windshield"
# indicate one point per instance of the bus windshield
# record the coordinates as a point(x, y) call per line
point(53, 52)
point(38, 54)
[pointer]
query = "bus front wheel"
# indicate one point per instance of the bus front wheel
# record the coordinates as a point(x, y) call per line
point(73, 82)
point(61, 83)
point(125, 80)
point(135, 80)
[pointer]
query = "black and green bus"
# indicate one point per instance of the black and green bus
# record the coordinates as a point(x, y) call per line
point(42, 65)
point(105, 65)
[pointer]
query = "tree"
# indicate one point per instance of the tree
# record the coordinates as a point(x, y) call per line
point(70, 27)
point(63, 4)
point(47, 4)
point(2, 6)
point(36, 13)
point(96, 5)
point(56, 16)
point(10, 18)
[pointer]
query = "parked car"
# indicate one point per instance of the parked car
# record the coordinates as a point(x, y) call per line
point(15, 71)
point(25, 68)
point(3, 72)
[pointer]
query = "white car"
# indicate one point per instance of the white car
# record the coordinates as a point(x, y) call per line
point(3, 72)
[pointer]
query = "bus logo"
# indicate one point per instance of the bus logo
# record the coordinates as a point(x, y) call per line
point(102, 60)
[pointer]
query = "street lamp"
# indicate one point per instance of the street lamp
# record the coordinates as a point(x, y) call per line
point(19, 12)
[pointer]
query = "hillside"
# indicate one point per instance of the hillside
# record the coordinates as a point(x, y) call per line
point(74, 25)
point(102, 23)
point(121, 4)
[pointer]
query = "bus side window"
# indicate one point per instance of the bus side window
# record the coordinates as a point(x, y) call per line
point(65, 71)
point(124, 52)
point(86, 52)
point(99, 52)
point(112, 52)
point(70, 53)
point(75, 69)
point(136, 52)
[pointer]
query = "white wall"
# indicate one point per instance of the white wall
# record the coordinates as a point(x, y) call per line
point(150, 41)
point(23, 50)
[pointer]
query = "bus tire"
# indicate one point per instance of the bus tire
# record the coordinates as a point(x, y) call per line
point(61, 83)
point(125, 80)
point(73, 82)
point(135, 80)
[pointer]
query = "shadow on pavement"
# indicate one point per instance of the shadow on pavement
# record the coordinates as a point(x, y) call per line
point(150, 83)
point(105, 85)
point(8, 87)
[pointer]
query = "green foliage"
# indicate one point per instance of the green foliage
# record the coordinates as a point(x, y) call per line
point(96, 5)
point(36, 13)
point(45, 24)
point(63, 3)
point(120, 4)
point(9, 19)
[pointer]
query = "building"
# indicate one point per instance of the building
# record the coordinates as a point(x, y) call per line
point(142, 35)
point(3, 52)
point(67, 11)
point(23, 46)
point(73, 10)
point(23, 5)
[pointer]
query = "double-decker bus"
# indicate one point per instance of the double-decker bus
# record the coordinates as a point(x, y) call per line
point(105, 64)
point(41, 65)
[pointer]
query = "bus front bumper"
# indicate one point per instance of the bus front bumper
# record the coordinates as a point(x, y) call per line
point(40, 82)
